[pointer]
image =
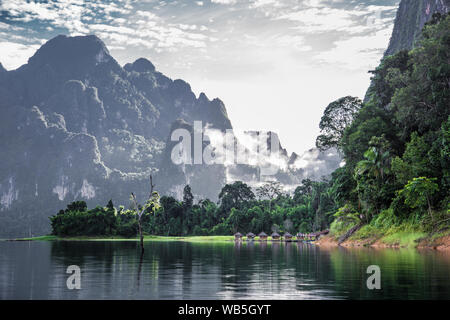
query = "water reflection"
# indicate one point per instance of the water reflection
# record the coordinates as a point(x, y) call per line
point(234, 270)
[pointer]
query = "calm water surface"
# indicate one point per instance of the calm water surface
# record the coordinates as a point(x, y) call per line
point(180, 270)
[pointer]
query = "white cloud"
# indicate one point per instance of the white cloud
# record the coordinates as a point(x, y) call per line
point(263, 3)
point(15, 54)
point(224, 1)
point(65, 13)
point(357, 53)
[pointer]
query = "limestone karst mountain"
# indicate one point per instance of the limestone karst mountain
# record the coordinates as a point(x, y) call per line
point(76, 125)
point(411, 17)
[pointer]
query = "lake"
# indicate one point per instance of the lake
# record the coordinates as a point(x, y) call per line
point(183, 270)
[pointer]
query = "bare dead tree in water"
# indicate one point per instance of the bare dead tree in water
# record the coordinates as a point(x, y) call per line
point(140, 268)
point(152, 203)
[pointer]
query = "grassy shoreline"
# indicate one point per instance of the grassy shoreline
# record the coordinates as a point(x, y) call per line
point(398, 239)
point(148, 238)
point(117, 238)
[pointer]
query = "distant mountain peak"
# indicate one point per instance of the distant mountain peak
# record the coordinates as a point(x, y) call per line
point(64, 51)
point(202, 97)
point(140, 65)
point(294, 156)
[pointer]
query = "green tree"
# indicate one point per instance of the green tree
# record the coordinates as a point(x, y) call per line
point(188, 198)
point(423, 103)
point(186, 217)
point(305, 189)
point(234, 195)
point(337, 116)
point(80, 206)
point(269, 191)
point(418, 193)
point(370, 175)
point(415, 161)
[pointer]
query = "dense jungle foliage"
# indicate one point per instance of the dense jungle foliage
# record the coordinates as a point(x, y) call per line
point(239, 209)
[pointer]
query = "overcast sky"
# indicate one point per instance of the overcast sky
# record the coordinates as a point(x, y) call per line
point(276, 64)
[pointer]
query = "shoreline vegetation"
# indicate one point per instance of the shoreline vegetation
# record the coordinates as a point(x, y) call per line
point(156, 238)
point(393, 239)
point(136, 239)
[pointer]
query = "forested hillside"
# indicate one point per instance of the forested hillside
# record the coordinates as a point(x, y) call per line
point(397, 147)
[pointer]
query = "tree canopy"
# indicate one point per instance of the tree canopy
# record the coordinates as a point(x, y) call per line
point(336, 118)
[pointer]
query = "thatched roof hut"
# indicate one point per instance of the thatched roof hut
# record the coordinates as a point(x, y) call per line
point(312, 236)
point(262, 236)
point(275, 236)
point(238, 235)
point(250, 235)
point(287, 236)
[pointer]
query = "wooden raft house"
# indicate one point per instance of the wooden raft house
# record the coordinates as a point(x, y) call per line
point(287, 237)
point(238, 236)
point(262, 236)
point(250, 236)
point(275, 236)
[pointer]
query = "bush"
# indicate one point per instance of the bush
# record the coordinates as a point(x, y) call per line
point(222, 229)
point(385, 219)
point(339, 227)
point(76, 220)
point(199, 231)
point(128, 229)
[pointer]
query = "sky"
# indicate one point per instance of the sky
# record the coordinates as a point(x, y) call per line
point(276, 64)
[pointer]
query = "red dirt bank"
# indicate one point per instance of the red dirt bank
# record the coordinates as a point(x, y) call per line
point(441, 244)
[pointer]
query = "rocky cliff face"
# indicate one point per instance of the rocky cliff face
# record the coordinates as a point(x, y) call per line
point(411, 18)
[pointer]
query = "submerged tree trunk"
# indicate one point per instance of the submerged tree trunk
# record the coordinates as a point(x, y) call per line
point(140, 269)
point(141, 235)
point(350, 232)
point(141, 211)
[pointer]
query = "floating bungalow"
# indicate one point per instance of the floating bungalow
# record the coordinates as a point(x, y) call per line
point(311, 237)
point(287, 236)
point(250, 236)
point(307, 237)
point(275, 236)
point(262, 236)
